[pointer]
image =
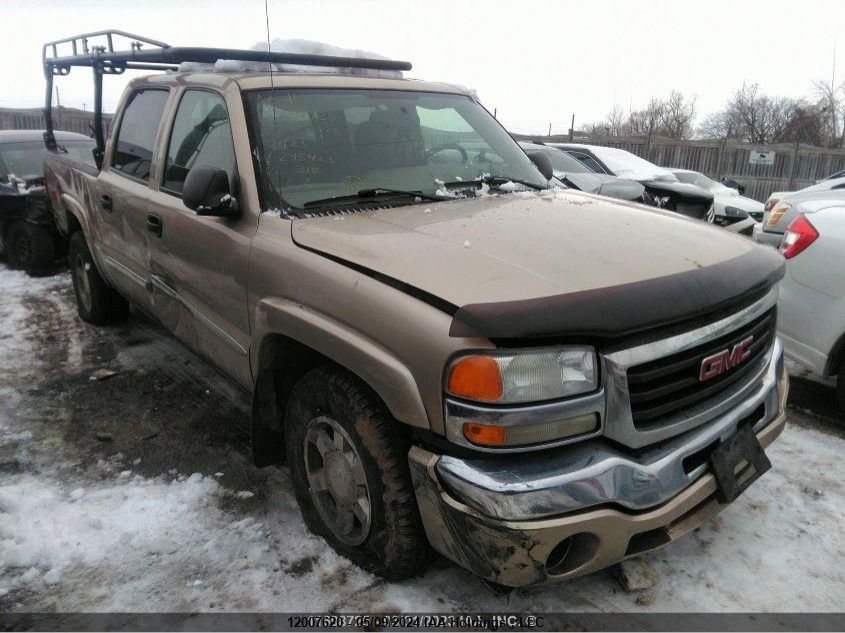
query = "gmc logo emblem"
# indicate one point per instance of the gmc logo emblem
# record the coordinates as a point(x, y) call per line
point(720, 362)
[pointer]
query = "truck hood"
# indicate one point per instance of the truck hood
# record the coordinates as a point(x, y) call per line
point(529, 254)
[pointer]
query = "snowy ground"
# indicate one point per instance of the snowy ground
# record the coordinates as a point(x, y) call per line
point(136, 493)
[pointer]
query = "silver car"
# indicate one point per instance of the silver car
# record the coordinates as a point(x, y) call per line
point(782, 208)
point(811, 308)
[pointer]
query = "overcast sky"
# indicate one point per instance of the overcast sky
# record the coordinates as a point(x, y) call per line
point(536, 62)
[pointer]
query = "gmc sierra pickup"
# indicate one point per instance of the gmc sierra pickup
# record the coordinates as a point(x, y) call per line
point(447, 352)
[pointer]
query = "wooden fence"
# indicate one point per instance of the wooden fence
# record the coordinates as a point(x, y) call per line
point(67, 119)
point(794, 166)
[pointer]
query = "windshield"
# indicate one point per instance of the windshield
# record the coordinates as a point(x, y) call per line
point(26, 160)
point(314, 145)
point(562, 163)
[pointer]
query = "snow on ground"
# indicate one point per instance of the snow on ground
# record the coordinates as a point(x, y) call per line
point(166, 513)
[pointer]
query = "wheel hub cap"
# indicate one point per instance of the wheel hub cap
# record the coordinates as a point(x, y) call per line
point(337, 482)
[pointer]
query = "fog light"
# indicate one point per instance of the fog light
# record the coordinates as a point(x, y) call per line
point(527, 434)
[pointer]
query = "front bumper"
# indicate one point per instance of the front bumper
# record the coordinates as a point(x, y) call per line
point(528, 524)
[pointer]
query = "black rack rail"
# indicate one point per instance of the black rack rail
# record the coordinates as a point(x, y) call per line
point(104, 59)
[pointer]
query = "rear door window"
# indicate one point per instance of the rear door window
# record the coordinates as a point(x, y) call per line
point(202, 135)
point(133, 148)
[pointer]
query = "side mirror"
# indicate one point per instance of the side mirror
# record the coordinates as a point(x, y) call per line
point(206, 191)
point(543, 164)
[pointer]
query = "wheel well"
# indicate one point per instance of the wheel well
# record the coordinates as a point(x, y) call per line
point(834, 359)
point(282, 361)
point(73, 224)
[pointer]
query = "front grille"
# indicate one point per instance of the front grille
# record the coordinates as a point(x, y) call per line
point(663, 388)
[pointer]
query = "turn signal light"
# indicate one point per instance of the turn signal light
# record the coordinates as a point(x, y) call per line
point(485, 434)
point(530, 434)
point(476, 378)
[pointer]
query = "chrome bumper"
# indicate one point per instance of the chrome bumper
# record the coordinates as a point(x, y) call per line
point(595, 472)
point(530, 522)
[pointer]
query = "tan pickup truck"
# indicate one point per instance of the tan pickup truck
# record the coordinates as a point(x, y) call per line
point(447, 351)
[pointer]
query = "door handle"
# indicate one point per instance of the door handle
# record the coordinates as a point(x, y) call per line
point(154, 224)
point(106, 203)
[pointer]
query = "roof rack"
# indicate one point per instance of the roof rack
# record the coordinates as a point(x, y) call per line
point(104, 59)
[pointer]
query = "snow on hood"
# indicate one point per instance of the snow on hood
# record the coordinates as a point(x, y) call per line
point(306, 47)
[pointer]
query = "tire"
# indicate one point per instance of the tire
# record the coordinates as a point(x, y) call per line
point(840, 386)
point(96, 301)
point(327, 403)
point(30, 247)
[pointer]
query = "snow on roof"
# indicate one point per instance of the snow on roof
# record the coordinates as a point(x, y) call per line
point(308, 47)
point(629, 165)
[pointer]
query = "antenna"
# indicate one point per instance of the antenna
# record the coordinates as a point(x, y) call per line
point(270, 64)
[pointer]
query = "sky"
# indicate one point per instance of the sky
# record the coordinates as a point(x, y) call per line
point(536, 62)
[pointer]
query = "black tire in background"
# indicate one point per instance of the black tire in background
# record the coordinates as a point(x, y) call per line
point(840, 386)
point(332, 402)
point(96, 301)
point(30, 247)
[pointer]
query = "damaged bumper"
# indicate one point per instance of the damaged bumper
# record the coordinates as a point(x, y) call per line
point(532, 519)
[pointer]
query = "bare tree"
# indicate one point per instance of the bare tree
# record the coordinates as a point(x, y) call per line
point(615, 120)
point(646, 122)
point(753, 116)
point(672, 117)
point(830, 99)
point(677, 116)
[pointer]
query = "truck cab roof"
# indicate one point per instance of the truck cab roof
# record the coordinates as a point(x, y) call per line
point(254, 80)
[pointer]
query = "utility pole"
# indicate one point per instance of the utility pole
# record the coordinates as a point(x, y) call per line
point(550, 130)
point(572, 128)
point(495, 110)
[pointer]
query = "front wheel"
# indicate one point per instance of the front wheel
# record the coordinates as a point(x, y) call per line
point(840, 386)
point(349, 463)
point(96, 301)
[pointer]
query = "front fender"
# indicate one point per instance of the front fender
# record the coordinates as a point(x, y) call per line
point(382, 371)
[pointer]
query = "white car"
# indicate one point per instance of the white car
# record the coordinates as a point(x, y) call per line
point(811, 309)
point(781, 208)
point(734, 212)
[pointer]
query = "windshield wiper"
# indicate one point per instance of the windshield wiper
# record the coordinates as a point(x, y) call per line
point(372, 194)
point(496, 181)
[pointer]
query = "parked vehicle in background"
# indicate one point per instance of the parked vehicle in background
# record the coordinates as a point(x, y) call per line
point(811, 308)
point(782, 211)
point(28, 236)
point(733, 184)
point(835, 175)
point(537, 383)
point(575, 174)
point(662, 187)
point(733, 212)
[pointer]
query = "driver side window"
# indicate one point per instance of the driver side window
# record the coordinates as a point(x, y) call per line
point(201, 135)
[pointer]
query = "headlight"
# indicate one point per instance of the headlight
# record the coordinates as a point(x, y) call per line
point(737, 214)
point(524, 376)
